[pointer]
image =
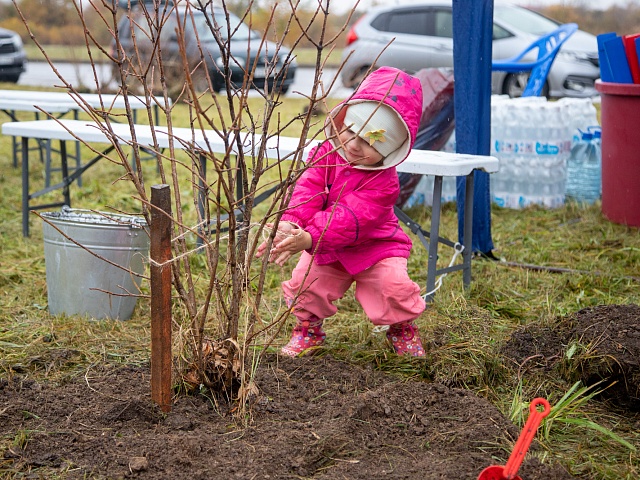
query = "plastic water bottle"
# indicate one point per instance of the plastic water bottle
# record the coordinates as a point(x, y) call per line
point(581, 114)
point(501, 181)
point(544, 152)
point(584, 173)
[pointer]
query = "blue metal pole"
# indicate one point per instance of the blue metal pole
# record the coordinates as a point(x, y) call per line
point(472, 35)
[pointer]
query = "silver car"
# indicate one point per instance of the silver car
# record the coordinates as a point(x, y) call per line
point(13, 60)
point(420, 35)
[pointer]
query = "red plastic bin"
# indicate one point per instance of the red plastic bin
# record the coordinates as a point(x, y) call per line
point(620, 121)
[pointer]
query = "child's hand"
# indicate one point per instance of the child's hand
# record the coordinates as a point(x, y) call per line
point(262, 248)
point(297, 241)
point(285, 230)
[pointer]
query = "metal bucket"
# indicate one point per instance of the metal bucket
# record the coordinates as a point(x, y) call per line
point(81, 283)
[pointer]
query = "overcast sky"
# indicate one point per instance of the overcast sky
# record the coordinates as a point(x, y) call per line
point(599, 4)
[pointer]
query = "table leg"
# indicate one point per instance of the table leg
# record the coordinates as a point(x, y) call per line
point(14, 146)
point(14, 143)
point(65, 173)
point(433, 238)
point(467, 253)
point(47, 165)
point(25, 186)
point(78, 157)
point(42, 159)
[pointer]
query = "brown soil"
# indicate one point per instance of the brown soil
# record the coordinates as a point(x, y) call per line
point(313, 418)
point(598, 345)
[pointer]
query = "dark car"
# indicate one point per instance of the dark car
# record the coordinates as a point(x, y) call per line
point(265, 63)
point(13, 60)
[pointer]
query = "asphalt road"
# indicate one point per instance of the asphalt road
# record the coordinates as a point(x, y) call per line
point(41, 74)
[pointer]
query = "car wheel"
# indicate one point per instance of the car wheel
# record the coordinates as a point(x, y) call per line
point(217, 82)
point(358, 76)
point(10, 78)
point(515, 83)
point(284, 89)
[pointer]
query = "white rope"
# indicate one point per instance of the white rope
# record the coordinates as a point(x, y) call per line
point(205, 244)
point(266, 231)
point(380, 328)
point(265, 235)
point(458, 248)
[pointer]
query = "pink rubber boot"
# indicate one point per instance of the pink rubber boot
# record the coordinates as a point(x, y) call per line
point(405, 339)
point(306, 335)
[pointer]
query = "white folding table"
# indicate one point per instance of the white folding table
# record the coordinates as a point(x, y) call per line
point(59, 104)
point(97, 101)
point(423, 162)
point(10, 106)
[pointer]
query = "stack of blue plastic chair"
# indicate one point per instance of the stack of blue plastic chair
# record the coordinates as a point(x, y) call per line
point(547, 48)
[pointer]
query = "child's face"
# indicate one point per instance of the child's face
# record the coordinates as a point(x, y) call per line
point(357, 151)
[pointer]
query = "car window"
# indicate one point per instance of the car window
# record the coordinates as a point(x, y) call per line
point(141, 31)
point(524, 20)
point(239, 30)
point(136, 24)
point(443, 23)
point(138, 27)
point(380, 22)
point(141, 28)
point(433, 22)
point(499, 33)
point(408, 21)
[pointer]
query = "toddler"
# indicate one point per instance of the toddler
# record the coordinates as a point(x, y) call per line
point(341, 218)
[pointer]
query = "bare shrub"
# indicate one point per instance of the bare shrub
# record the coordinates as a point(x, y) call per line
point(217, 223)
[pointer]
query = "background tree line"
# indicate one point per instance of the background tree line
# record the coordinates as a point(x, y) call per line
point(622, 20)
point(55, 22)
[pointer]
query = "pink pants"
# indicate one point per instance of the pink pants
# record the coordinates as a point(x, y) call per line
point(385, 291)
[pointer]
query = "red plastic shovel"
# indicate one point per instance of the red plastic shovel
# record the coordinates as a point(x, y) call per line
point(510, 470)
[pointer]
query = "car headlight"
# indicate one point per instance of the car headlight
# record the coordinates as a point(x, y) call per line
point(573, 56)
point(17, 41)
point(234, 62)
point(281, 58)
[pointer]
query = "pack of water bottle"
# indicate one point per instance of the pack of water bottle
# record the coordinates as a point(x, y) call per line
point(533, 138)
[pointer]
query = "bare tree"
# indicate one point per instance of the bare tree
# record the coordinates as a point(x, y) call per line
point(177, 57)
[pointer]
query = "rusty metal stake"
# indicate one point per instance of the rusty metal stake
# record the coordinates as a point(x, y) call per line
point(160, 252)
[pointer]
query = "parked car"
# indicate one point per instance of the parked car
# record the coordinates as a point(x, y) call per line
point(422, 35)
point(13, 60)
point(271, 65)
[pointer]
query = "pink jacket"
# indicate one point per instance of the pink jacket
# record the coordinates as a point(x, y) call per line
point(348, 210)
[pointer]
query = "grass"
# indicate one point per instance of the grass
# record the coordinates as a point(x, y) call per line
point(464, 330)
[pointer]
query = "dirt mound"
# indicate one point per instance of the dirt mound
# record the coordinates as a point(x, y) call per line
point(598, 344)
point(313, 418)
point(606, 346)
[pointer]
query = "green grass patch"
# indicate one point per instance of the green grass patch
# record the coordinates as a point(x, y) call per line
point(463, 331)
